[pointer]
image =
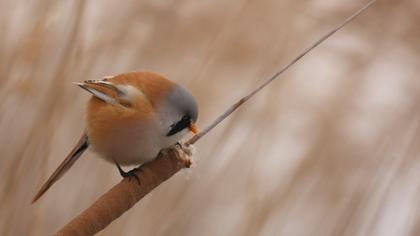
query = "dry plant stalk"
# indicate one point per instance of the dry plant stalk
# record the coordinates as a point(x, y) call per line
point(125, 194)
point(128, 192)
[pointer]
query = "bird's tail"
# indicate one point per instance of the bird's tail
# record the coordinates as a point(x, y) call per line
point(71, 158)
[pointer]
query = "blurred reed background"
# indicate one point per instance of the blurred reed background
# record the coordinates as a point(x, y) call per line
point(330, 149)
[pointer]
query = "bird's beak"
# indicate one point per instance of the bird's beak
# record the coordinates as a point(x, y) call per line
point(193, 128)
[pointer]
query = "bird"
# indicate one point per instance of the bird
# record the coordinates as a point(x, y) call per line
point(129, 119)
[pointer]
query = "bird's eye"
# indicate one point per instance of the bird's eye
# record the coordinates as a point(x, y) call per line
point(185, 122)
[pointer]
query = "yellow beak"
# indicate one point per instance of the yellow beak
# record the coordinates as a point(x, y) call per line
point(193, 128)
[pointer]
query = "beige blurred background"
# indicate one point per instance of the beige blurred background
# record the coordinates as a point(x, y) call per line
point(332, 148)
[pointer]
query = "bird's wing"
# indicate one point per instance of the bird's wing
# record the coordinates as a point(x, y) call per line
point(105, 91)
point(71, 158)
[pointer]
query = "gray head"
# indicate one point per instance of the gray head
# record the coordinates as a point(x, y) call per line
point(180, 111)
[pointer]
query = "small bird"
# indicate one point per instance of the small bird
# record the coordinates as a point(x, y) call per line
point(130, 118)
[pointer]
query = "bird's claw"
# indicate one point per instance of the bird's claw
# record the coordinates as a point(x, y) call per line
point(129, 174)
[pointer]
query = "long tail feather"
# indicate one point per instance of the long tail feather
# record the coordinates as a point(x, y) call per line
point(73, 156)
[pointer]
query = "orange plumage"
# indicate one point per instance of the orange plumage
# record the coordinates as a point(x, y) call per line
point(130, 117)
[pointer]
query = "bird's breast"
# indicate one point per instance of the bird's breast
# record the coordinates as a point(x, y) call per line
point(123, 135)
point(129, 143)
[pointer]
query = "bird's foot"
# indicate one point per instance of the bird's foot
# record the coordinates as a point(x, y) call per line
point(187, 148)
point(129, 174)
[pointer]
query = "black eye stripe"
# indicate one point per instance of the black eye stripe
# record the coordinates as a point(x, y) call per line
point(180, 125)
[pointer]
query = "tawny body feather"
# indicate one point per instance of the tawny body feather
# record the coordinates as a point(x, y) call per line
point(135, 133)
point(127, 121)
